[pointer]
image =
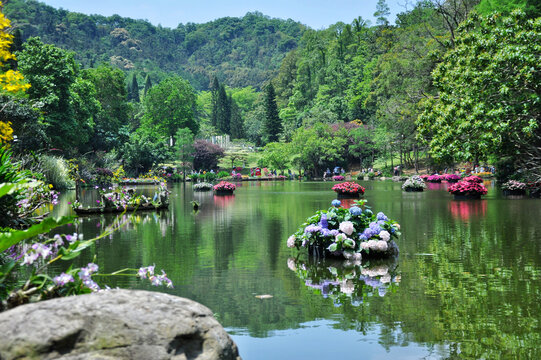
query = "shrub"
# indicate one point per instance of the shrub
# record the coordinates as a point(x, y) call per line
point(56, 172)
point(206, 155)
point(473, 178)
point(348, 188)
point(514, 185)
point(204, 186)
point(467, 188)
point(451, 177)
point(434, 178)
point(224, 186)
point(338, 178)
point(414, 183)
point(223, 174)
point(209, 176)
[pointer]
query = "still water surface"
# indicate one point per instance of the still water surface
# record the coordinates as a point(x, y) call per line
point(467, 283)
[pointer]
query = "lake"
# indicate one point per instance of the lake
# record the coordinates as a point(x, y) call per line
point(467, 283)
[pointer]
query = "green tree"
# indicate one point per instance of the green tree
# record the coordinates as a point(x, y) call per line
point(276, 156)
point(133, 89)
point(272, 123)
point(184, 148)
point(382, 13)
point(170, 106)
point(489, 91)
point(52, 72)
point(114, 114)
point(237, 124)
point(214, 90)
point(223, 111)
point(148, 85)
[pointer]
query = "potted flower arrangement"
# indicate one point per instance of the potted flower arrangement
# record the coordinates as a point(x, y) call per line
point(348, 190)
point(224, 188)
point(338, 178)
point(473, 178)
point(347, 282)
point(424, 177)
point(467, 190)
point(348, 233)
point(513, 187)
point(204, 186)
point(434, 178)
point(414, 183)
point(451, 178)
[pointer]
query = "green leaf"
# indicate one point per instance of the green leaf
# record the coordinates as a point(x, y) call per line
point(8, 239)
point(10, 188)
point(333, 247)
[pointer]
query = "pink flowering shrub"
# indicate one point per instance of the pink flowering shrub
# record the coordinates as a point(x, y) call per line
point(224, 186)
point(338, 178)
point(348, 188)
point(434, 178)
point(473, 178)
point(467, 188)
point(424, 176)
point(451, 177)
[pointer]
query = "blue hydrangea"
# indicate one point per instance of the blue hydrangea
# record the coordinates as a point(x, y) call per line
point(368, 212)
point(363, 237)
point(336, 203)
point(381, 223)
point(355, 210)
point(382, 216)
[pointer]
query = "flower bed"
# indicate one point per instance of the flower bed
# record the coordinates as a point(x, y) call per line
point(467, 189)
point(434, 178)
point(224, 188)
point(452, 178)
point(347, 233)
point(414, 183)
point(473, 178)
point(338, 178)
point(202, 187)
point(513, 187)
point(348, 189)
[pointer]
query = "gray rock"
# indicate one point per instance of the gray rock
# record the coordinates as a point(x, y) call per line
point(115, 324)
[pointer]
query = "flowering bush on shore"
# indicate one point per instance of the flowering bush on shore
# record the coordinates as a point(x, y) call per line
point(473, 178)
point(467, 188)
point(224, 186)
point(414, 183)
point(424, 176)
point(451, 177)
point(434, 178)
point(348, 188)
point(514, 185)
point(33, 251)
point(338, 178)
point(347, 232)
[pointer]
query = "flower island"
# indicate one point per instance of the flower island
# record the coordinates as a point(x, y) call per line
point(349, 233)
point(414, 184)
point(513, 187)
point(224, 188)
point(120, 199)
point(467, 189)
point(348, 190)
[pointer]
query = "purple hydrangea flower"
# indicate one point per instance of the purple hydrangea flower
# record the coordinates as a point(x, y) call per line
point(312, 228)
point(355, 210)
point(323, 222)
point(382, 216)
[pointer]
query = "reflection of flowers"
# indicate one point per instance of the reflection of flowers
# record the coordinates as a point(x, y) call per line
point(224, 200)
point(467, 209)
point(347, 282)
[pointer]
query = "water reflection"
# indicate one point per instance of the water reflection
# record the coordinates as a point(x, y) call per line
point(465, 209)
point(224, 200)
point(347, 281)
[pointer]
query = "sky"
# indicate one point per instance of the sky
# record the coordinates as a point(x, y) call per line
point(317, 14)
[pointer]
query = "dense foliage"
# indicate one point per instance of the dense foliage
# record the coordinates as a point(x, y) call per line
point(242, 51)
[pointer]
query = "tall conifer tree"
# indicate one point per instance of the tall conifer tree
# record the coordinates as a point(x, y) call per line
point(214, 90)
point(133, 89)
point(236, 124)
point(148, 85)
point(273, 123)
point(224, 111)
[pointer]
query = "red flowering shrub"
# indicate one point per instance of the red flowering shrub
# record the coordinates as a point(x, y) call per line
point(348, 188)
point(451, 177)
point(467, 188)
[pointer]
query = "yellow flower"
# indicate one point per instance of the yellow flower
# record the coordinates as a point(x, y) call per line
point(50, 186)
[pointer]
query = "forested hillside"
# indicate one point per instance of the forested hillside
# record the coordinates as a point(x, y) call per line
point(240, 51)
